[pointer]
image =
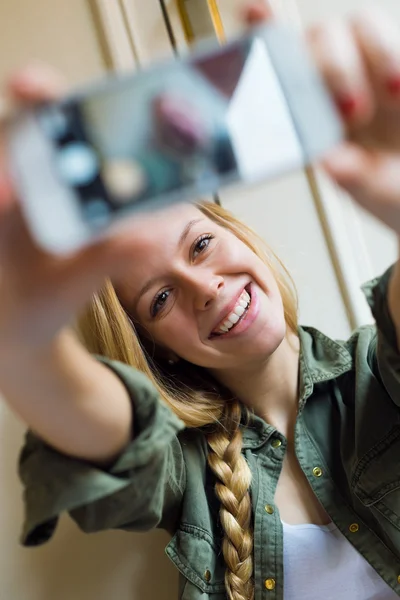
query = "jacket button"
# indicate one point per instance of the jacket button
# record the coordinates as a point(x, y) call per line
point(270, 584)
point(276, 443)
point(354, 527)
point(317, 472)
point(269, 509)
point(398, 579)
point(207, 576)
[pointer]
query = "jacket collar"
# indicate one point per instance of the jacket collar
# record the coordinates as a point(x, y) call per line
point(321, 359)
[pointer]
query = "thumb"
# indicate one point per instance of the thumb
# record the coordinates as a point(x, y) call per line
point(34, 83)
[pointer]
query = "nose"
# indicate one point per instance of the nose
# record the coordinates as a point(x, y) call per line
point(205, 288)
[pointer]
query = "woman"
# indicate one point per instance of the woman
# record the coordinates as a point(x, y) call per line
point(261, 422)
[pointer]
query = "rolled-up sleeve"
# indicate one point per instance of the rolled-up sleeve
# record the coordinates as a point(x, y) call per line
point(384, 351)
point(143, 489)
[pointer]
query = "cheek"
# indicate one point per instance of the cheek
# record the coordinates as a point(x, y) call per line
point(261, 274)
point(178, 332)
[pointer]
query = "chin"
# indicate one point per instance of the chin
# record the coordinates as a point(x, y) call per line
point(270, 337)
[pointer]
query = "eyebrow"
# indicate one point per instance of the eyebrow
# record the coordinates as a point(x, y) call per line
point(186, 231)
point(181, 241)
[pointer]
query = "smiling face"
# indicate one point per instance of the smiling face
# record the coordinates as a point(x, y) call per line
point(200, 292)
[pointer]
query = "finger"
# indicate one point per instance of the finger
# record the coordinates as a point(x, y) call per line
point(346, 165)
point(372, 179)
point(378, 37)
point(340, 62)
point(36, 83)
point(31, 84)
point(257, 12)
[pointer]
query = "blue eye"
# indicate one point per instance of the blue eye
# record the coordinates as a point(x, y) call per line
point(201, 244)
point(159, 302)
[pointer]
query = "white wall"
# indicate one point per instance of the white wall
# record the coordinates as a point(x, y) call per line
point(58, 32)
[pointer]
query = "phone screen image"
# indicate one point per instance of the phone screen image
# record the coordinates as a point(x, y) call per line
point(176, 131)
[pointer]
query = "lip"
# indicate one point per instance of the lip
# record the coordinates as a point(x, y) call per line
point(247, 320)
point(223, 315)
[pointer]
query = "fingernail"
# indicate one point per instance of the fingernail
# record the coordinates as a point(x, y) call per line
point(393, 85)
point(349, 104)
point(257, 12)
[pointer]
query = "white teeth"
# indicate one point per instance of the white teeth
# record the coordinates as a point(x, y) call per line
point(239, 310)
point(233, 318)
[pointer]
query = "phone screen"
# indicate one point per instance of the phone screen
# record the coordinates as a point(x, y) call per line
point(178, 131)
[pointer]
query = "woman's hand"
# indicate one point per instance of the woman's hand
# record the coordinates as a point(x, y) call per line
point(40, 294)
point(359, 58)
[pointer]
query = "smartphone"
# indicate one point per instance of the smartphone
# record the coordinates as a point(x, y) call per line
point(249, 110)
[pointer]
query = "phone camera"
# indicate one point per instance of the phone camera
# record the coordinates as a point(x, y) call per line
point(77, 164)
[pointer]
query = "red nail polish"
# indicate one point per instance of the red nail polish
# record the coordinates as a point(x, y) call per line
point(393, 85)
point(348, 104)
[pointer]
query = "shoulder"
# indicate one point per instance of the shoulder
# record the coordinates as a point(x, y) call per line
point(362, 336)
point(330, 353)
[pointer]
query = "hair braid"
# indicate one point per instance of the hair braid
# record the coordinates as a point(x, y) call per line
point(232, 490)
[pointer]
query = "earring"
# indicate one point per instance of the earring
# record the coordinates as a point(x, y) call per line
point(173, 361)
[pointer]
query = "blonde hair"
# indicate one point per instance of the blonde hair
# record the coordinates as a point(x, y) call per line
point(197, 399)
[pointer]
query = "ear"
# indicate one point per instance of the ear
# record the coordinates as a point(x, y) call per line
point(172, 358)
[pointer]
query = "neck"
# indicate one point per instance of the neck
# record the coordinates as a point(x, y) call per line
point(270, 388)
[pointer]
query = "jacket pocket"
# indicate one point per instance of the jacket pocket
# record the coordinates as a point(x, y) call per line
point(376, 479)
point(193, 553)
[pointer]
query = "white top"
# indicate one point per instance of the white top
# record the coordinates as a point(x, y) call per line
point(321, 564)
